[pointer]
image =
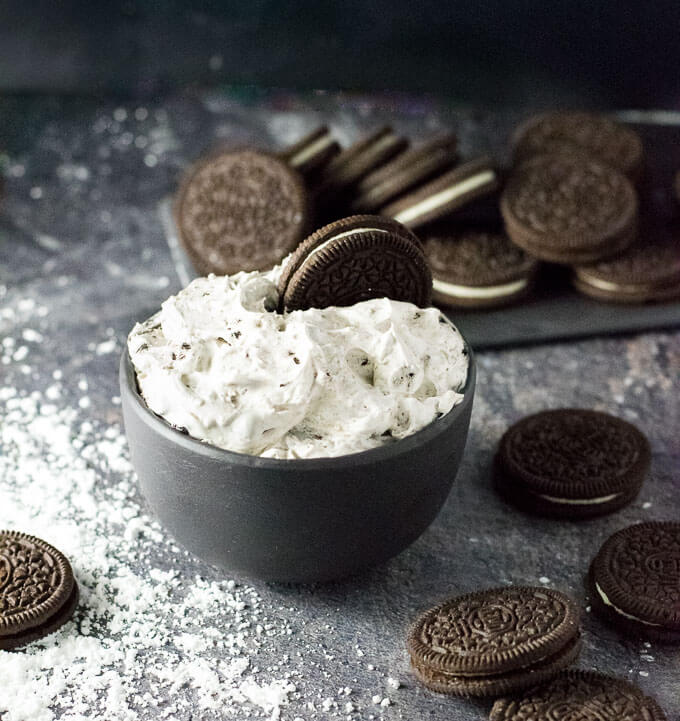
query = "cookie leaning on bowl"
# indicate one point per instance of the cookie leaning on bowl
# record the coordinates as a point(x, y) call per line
point(355, 259)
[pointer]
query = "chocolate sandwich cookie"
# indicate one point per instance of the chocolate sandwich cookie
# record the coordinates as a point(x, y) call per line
point(312, 152)
point(38, 593)
point(495, 641)
point(571, 463)
point(589, 134)
point(676, 186)
point(352, 164)
point(445, 194)
point(576, 695)
point(477, 269)
point(569, 209)
point(647, 271)
point(355, 259)
point(634, 581)
point(241, 210)
point(407, 170)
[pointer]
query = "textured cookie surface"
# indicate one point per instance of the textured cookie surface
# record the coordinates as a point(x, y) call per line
point(637, 575)
point(36, 583)
point(488, 642)
point(443, 195)
point(577, 462)
point(595, 135)
point(645, 271)
point(355, 259)
point(569, 209)
point(241, 210)
point(579, 696)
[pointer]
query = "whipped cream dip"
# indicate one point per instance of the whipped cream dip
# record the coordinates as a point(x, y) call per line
point(217, 362)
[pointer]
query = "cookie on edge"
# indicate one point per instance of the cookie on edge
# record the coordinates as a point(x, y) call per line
point(241, 210)
point(38, 593)
point(408, 169)
point(477, 268)
point(569, 209)
point(579, 695)
point(445, 194)
point(634, 581)
point(495, 641)
point(590, 134)
point(312, 152)
point(355, 259)
point(571, 463)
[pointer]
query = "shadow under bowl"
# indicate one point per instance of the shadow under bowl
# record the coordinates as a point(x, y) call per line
point(304, 520)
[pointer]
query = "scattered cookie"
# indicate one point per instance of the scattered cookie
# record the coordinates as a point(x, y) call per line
point(38, 593)
point(355, 259)
point(588, 133)
point(312, 152)
point(495, 641)
point(241, 210)
point(635, 581)
point(477, 269)
point(569, 209)
point(571, 463)
point(648, 271)
point(443, 195)
point(407, 170)
point(576, 695)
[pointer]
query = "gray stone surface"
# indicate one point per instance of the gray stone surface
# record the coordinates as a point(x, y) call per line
point(80, 235)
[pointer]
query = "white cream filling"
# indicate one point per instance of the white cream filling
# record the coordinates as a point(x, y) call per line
point(333, 239)
point(483, 292)
point(309, 151)
point(607, 602)
point(445, 196)
point(580, 501)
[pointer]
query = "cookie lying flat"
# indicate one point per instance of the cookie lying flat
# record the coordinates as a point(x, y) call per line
point(634, 581)
point(495, 641)
point(241, 210)
point(569, 209)
point(571, 463)
point(579, 696)
point(645, 272)
point(38, 593)
point(588, 133)
point(355, 259)
point(445, 194)
point(407, 170)
point(477, 269)
point(312, 152)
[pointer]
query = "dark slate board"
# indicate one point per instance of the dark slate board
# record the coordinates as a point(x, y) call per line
point(555, 311)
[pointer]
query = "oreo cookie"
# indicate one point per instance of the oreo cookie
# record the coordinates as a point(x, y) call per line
point(676, 186)
point(634, 581)
point(312, 152)
point(355, 259)
point(588, 134)
point(648, 271)
point(38, 592)
point(241, 210)
point(407, 170)
point(576, 695)
point(571, 463)
point(495, 641)
point(445, 194)
point(569, 209)
point(477, 268)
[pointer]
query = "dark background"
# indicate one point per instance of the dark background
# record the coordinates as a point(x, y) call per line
point(607, 54)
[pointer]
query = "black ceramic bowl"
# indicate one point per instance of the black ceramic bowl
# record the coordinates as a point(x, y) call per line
point(293, 520)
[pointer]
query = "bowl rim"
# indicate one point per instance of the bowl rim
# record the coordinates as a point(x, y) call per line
point(129, 388)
